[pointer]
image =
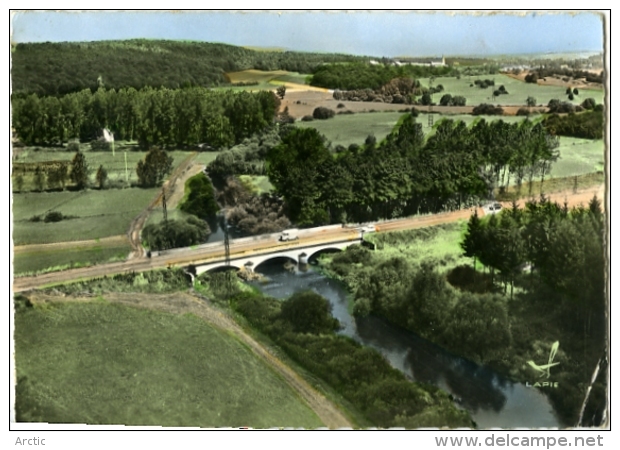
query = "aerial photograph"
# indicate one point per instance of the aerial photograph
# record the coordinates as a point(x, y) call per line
point(309, 220)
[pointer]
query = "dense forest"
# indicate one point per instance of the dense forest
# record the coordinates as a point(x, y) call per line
point(61, 68)
point(361, 75)
point(164, 117)
point(406, 174)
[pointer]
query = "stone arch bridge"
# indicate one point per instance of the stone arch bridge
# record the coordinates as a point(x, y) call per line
point(298, 254)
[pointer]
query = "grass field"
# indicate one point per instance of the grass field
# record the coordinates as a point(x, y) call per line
point(37, 261)
point(346, 129)
point(518, 91)
point(578, 157)
point(206, 157)
point(98, 214)
point(115, 165)
point(102, 363)
point(440, 243)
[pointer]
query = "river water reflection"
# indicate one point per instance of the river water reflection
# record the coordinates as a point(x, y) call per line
point(492, 400)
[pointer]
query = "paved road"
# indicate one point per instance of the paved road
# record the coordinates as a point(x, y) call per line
point(259, 245)
point(238, 247)
point(183, 257)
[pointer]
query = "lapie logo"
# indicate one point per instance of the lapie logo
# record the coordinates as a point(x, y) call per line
point(545, 369)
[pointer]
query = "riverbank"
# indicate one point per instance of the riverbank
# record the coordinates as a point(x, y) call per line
point(413, 292)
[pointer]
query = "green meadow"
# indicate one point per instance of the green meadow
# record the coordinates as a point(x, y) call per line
point(92, 214)
point(105, 363)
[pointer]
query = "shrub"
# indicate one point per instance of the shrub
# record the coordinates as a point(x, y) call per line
point(341, 105)
point(523, 112)
point(323, 113)
point(308, 312)
point(100, 146)
point(486, 109)
point(556, 106)
point(588, 103)
point(176, 233)
point(53, 216)
point(307, 119)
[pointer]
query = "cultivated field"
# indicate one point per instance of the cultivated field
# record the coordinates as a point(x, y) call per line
point(143, 367)
point(518, 91)
point(96, 214)
point(270, 80)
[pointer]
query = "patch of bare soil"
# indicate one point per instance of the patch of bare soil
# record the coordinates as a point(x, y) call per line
point(303, 103)
point(183, 303)
point(573, 198)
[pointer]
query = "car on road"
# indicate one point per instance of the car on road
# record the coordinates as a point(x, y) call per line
point(289, 235)
point(494, 208)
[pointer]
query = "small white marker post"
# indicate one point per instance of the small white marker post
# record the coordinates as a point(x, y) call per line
point(126, 172)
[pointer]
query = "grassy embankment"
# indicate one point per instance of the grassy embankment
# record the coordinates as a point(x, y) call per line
point(143, 367)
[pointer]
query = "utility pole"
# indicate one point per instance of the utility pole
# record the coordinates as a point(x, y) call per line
point(163, 202)
point(226, 245)
point(229, 280)
point(430, 107)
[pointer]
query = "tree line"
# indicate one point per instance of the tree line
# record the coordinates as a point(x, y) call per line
point(406, 173)
point(361, 75)
point(62, 68)
point(161, 117)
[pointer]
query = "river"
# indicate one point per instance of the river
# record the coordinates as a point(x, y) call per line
point(492, 400)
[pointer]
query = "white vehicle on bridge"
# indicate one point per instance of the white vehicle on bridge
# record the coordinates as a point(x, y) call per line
point(289, 235)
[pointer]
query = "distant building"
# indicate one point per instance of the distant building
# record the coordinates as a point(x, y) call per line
point(435, 62)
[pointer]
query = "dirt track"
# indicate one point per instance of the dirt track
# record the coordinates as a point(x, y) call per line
point(183, 303)
point(135, 228)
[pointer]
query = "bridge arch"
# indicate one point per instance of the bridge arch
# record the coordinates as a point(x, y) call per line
point(314, 255)
point(274, 258)
point(222, 268)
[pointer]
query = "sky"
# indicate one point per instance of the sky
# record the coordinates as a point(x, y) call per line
point(354, 32)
